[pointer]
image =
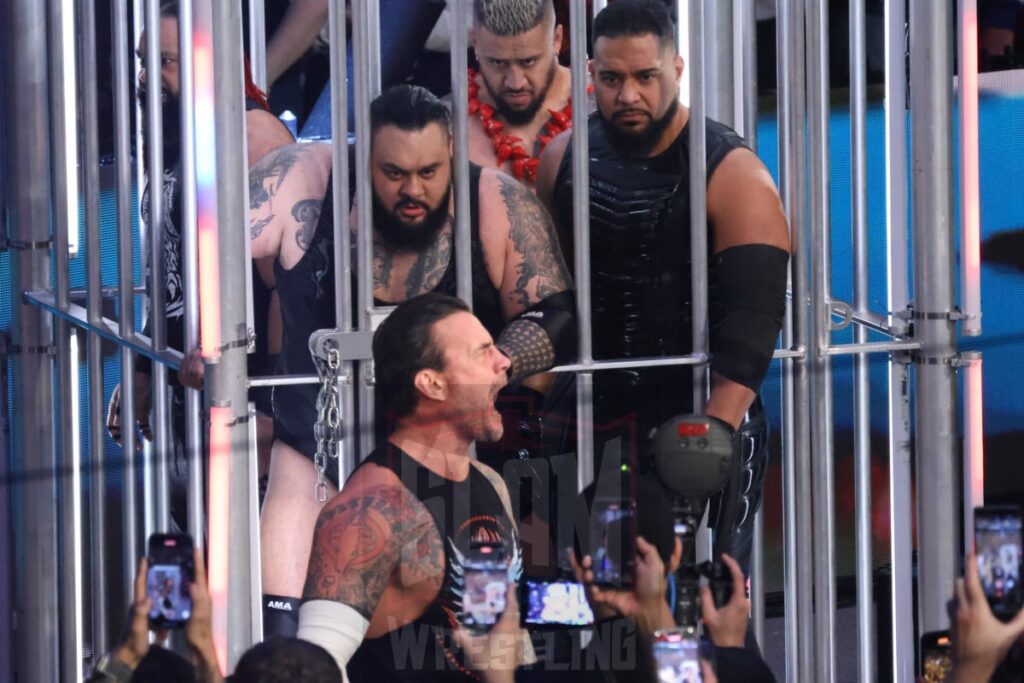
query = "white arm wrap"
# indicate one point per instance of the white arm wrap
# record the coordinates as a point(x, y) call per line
point(335, 627)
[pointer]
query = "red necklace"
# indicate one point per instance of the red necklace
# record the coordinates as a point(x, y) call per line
point(524, 166)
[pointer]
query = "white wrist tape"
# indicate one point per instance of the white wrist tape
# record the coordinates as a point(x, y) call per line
point(335, 627)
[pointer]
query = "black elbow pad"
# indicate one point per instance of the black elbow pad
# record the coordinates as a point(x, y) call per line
point(556, 315)
point(747, 302)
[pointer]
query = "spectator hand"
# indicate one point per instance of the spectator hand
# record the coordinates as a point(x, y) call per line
point(136, 644)
point(495, 654)
point(727, 624)
point(646, 603)
point(143, 400)
point(980, 641)
point(199, 629)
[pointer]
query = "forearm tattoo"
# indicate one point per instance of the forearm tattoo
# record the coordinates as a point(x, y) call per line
point(542, 271)
point(359, 543)
point(266, 176)
point(528, 347)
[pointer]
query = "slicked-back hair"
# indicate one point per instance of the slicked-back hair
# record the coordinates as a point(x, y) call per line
point(629, 18)
point(408, 107)
point(404, 344)
point(511, 17)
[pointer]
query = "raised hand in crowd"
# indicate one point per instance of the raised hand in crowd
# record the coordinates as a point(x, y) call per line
point(727, 625)
point(980, 641)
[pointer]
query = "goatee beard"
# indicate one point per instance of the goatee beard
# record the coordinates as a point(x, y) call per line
point(640, 144)
point(521, 117)
point(170, 109)
point(404, 237)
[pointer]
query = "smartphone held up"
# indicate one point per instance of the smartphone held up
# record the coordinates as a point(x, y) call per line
point(171, 570)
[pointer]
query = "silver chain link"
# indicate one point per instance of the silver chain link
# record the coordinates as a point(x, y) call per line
point(327, 429)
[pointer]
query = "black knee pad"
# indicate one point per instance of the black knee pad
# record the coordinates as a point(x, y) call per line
point(280, 616)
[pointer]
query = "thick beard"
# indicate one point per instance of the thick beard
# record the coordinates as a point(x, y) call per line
point(521, 117)
point(640, 144)
point(405, 237)
point(170, 109)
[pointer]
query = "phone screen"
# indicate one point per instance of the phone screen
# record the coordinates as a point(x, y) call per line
point(936, 661)
point(997, 542)
point(170, 572)
point(556, 603)
point(613, 543)
point(483, 601)
point(677, 656)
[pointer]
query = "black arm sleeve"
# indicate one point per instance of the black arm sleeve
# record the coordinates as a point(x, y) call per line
point(541, 336)
point(747, 299)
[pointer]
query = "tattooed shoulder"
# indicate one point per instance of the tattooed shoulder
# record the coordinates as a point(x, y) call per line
point(306, 213)
point(541, 270)
point(360, 541)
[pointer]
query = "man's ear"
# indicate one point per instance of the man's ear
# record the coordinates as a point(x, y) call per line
point(431, 385)
point(472, 39)
point(558, 39)
point(676, 557)
point(678, 64)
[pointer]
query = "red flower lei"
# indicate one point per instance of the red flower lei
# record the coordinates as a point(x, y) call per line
point(524, 166)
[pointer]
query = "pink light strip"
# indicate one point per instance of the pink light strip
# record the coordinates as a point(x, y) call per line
point(206, 190)
point(220, 454)
point(970, 193)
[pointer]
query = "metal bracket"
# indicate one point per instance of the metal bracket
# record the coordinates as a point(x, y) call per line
point(844, 311)
point(356, 345)
point(21, 245)
point(44, 350)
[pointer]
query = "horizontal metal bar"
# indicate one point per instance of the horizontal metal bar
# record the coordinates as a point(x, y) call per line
point(77, 315)
point(105, 292)
point(797, 352)
point(625, 364)
point(282, 380)
point(870, 347)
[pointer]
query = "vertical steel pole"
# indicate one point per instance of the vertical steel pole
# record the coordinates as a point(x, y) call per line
point(94, 312)
point(342, 235)
point(862, 375)
point(190, 270)
point(796, 385)
point(821, 366)
point(155, 470)
point(936, 447)
point(228, 387)
point(898, 292)
point(581, 238)
point(126, 291)
point(719, 60)
point(28, 171)
point(698, 203)
point(747, 42)
point(367, 86)
point(460, 120)
point(258, 43)
point(64, 173)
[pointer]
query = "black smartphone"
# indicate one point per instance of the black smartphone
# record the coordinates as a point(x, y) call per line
point(171, 570)
point(486, 587)
point(553, 604)
point(998, 547)
point(936, 658)
point(613, 542)
point(677, 656)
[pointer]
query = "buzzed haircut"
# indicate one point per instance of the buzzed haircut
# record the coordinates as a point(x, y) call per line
point(510, 17)
point(408, 107)
point(630, 18)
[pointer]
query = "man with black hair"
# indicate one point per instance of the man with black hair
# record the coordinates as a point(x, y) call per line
point(388, 565)
point(284, 660)
point(521, 287)
point(640, 249)
point(519, 98)
point(263, 134)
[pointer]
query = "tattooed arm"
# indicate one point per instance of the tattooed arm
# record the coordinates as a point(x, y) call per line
point(360, 540)
point(286, 190)
point(535, 283)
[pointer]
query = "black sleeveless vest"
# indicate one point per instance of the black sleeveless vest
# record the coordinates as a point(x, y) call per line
point(640, 267)
point(463, 511)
